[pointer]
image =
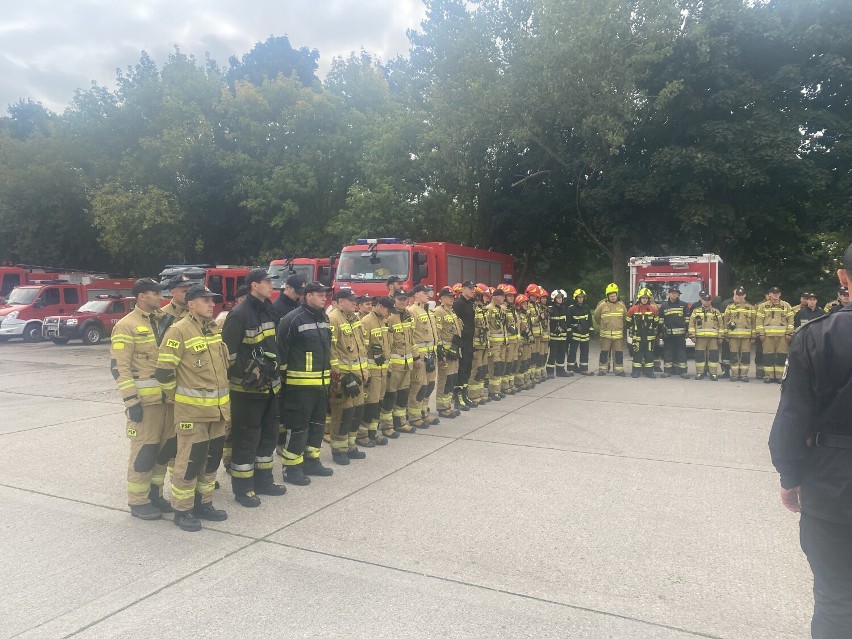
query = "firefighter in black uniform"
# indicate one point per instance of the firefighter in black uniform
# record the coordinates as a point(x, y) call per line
point(249, 333)
point(674, 318)
point(580, 321)
point(560, 333)
point(811, 447)
point(291, 295)
point(840, 302)
point(304, 344)
point(463, 307)
point(808, 312)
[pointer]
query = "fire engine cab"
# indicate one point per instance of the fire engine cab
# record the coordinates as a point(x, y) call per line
point(91, 323)
point(366, 265)
point(222, 280)
point(689, 273)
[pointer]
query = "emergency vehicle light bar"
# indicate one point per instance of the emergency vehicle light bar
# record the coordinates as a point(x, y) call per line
point(379, 240)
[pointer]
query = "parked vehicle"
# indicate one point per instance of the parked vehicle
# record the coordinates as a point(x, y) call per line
point(91, 323)
point(222, 280)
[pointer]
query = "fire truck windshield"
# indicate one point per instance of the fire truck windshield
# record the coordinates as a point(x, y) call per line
point(688, 290)
point(22, 296)
point(95, 306)
point(305, 271)
point(354, 266)
point(168, 294)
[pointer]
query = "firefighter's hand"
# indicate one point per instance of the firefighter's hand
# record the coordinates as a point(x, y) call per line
point(418, 363)
point(792, 499)
point(134, 413)
point(789, 338)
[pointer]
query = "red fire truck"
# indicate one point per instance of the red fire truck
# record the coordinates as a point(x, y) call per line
point(12, 275)
point(689, 273)
point(91, 323)
point(311, 269)
point(222, 280)
point(366, 265)
point(27, 306)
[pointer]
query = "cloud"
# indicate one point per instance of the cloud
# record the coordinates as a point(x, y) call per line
point(49, 49)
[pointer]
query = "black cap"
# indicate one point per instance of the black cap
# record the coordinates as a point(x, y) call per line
point(739, 291)
point(393, 279)
point(345, 294)
point(297, 282)
point(809, 295)
point(469, 284)
point(705, 295)
point(178, 281)
point(674, 289)
point(316, 287)
point(242, 291)
point(446, 291)
point(774, 289)
point(498, 291)
point(144, 285)
point(257, 275)
point(401, 294)
point(197, 290)
point(363, 298)
point(383, 301)
point(421, 288)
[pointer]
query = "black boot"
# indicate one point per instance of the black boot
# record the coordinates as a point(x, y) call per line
point(207, 511)
point(340, 457)
point(636, 373)
point(296, 475)
point(458, 402)
point(148, 512)
point(354, 453)
point(377, 438)
point(271, 489)
point(313, 466)
point(157, 500)
point(249, 499)
point(185, 520)
point(467, 400)
point(650, 374)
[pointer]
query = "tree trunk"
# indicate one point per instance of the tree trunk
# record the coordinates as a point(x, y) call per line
point(619, 266)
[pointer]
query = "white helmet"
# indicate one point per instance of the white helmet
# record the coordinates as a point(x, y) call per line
point(557, 292)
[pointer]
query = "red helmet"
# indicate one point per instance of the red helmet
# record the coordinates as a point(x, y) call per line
point(542, 292)
point(457, 289)
point(509, 289)
point(520, 299)
point(481, 288)
point(532, 289)
point(501, 287)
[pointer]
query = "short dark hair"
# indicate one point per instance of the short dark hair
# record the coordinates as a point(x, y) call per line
point(847, 259)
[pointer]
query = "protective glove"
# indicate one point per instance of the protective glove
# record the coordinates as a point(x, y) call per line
point(351, 385)
point(134, 413)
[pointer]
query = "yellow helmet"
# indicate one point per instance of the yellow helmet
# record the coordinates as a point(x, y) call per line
point(579, 292)
point(611, 288)
point(645, 292)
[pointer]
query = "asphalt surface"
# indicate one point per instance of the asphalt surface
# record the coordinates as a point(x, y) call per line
point(587, 507)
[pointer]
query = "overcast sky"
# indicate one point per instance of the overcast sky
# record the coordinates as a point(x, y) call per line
point(48, 48)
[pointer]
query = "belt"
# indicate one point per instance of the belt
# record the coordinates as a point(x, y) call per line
point(829, 440)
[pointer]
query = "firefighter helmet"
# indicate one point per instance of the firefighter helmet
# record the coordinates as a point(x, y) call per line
point(579, 292)
point(645, 292)
point(542, 292)
point(520, 299)
point(481, 289)
point(556, 293)
point(457, 289)
point(611, 288)
point(532, 289)
point(508, 289)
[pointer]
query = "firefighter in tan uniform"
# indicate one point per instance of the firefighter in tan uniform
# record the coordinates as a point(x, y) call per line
point(513, 338)
point(535, 331)
point(377, 340)
point(496, 318)
point(395, 403)
point(706, 329)
point(449, 328)
point(544, 314)
point(192, 367)
point(133, 353)
point(476, 389)
point(611, 318)
point(522, 372)
point(774, 328)
point(350, 375)
point(739, 320)
point(424, 374)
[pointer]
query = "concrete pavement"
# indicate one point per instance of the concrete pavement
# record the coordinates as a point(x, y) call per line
point(587, 507)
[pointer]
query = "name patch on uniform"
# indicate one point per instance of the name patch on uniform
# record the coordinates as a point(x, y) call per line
point(131, 432)
point(143, 329)
point(186, 426)
point(172, 343)
point(199, 347)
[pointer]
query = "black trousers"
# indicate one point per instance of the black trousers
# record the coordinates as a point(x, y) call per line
point(642, 348)
point(465, 364)
point(674, 354)
point(583, 347)
point(254, 431)
point(303, 415)
point(828, 547)
point(558, 348)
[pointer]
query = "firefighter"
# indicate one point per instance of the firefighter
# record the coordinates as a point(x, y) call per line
point(464, 308)
point(510, 316)
point(133, 354)
point(611, 317)
point(760, 373)
point(478, 387)
point(674, 317)
point(544, 315)
point(559, 336)
point(523, 380)
point(424, 373)
point(395, 403)
point(774, 328)
point(350, 375)
point(580, 322)
point(841, 301)
point(249, 334)
point(177, 287)
point(449, 350)
point(496, 319)
point(643, 321)
point(394, 285)
point(808, 312)
point(375, 330)
point(291, 295)
point(738, 319)
point(303, 338)
point(365, 305)
point(192, 364)
point(706, 329)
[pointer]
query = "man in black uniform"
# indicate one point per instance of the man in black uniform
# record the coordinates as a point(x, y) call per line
point(808, 312)
point(304, 343)
point(291, 295)
point(811, 447)
point(463, 309)
point(674, 318)
point(249, 334)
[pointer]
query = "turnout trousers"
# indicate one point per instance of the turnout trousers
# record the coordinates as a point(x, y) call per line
point(617, 348)
point(376, 389)
point(674, 355)
point(828, 547)
point(581, 345)
point(254, 433)
point(739, 349)
point(303, 413)
point(395, 403)
point(707, 355)
point(448, 372)
point(419, 384)
point(478, 376)
point(149, 441)
point(558, 352)
point(199, 451)
point(774, 356)
point(346, 415)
